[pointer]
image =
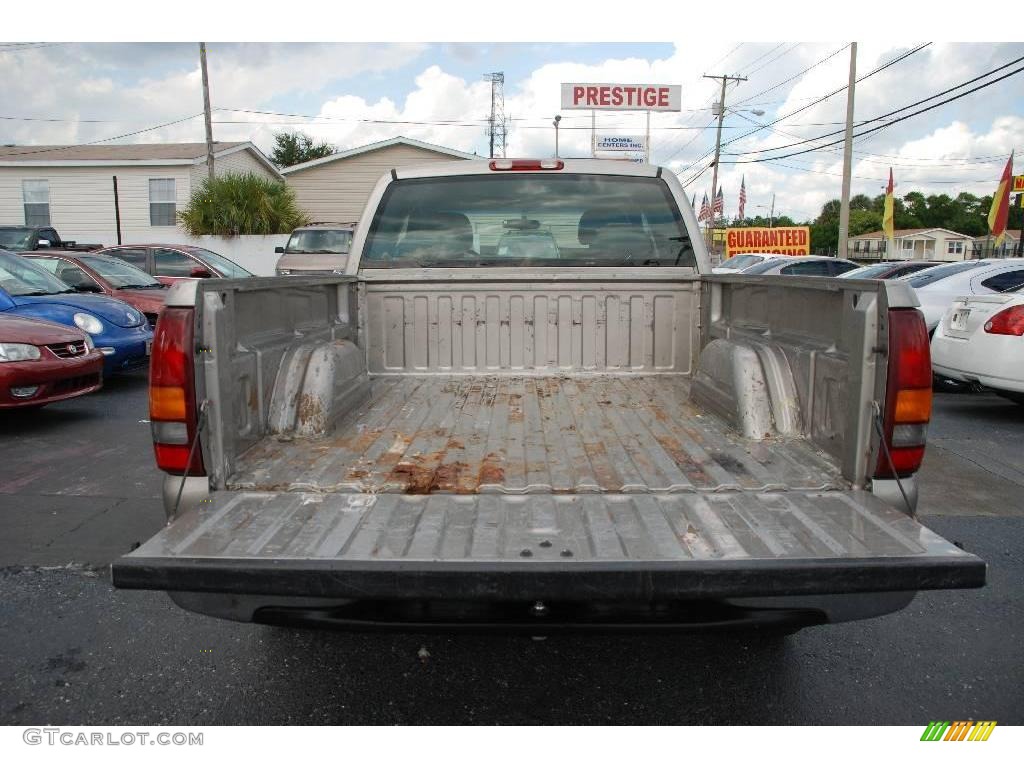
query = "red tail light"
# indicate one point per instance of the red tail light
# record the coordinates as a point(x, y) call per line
point(172, 396)
point(526, 165)
point(1009, 322)
point(908, 394)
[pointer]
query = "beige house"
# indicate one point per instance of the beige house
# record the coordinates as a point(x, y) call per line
point(928, 243)
point(336, 187)
point(71, 188)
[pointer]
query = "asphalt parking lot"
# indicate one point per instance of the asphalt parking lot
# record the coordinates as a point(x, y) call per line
point(78, 488)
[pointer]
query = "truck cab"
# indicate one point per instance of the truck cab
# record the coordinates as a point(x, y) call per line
point(19, 239)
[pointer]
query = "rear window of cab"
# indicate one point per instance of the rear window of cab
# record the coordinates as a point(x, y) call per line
point(535, 219)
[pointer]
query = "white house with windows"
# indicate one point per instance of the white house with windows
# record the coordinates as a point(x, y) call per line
point(72, 188)
point(929, 244)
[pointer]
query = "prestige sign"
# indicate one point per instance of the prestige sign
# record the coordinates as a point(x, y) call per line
point(787, 241)
point(641, 97)
point(619, 144)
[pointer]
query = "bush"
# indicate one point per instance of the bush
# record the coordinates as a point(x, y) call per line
point(242, 204)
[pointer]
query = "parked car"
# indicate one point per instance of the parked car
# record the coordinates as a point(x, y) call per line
point(801, 265)
point(96, 273)
point(18, 239)
point(424, 441)
point(980, 340)
point(43, 362)
point(119, 331)
point(741, 261)
point(888, 270)
point(171, 263)
point(938, 287)
point(320, 248)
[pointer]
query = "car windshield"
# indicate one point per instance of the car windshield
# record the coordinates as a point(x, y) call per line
point(320, 241)
point(760, 269)
point(742, 261)
point(872, 270)
point(120, 274)
point(535, 219)
point(225, 266)
point(929, 276)
point(21, 277)
point(15, 238)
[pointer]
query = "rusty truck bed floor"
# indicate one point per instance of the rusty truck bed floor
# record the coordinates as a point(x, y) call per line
point(506, 434)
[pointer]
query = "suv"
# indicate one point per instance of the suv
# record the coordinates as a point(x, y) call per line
point(320, 248)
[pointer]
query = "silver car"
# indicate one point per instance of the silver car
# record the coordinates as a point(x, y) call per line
point(320, 248)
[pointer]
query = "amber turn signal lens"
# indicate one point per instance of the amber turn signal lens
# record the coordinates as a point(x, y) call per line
point(167, 403)
point(913, 406)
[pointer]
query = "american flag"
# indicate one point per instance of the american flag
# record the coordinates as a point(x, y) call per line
point(743, 196)
point(705, 209)
point(719, 204)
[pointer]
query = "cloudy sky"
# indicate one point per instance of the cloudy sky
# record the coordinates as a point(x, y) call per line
point(354, 94)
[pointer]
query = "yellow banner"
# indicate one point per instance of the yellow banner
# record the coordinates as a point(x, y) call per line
point(787, 241)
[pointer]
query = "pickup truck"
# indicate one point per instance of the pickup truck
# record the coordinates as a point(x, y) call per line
point(601, 435)
point(19, 239)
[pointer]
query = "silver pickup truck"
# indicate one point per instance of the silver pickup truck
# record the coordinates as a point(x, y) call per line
point(528, 405)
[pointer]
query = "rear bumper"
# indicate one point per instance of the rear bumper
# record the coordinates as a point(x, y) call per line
point(619, 581)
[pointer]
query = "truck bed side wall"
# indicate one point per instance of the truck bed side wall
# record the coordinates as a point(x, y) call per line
point(832, 335)
point(246, 328)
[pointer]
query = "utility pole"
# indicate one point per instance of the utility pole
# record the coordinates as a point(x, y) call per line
point(718, 137)
point(206, 111)
point(844, 206)
point(771, 213)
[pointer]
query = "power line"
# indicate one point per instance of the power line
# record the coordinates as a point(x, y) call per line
point(794, 77)
point(880, 117)
point(818, 100)
point(897, 120)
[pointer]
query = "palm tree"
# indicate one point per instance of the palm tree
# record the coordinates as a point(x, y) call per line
point(242, 204)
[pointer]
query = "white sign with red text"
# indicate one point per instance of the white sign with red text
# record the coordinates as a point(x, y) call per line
point(643, 97)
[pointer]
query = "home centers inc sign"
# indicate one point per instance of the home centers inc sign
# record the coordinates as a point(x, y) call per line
point(786, 241)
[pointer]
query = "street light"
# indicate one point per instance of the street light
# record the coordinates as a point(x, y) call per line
point(771, 211)
point(557, 120)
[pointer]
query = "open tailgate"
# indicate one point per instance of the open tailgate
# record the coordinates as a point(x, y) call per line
point(541, 546)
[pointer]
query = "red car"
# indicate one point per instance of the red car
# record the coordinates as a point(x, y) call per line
point(42, 362)
point(171, 263)
point(103, 274)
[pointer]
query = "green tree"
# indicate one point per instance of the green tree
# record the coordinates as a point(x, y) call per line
point(242, 204)
point(294, 148)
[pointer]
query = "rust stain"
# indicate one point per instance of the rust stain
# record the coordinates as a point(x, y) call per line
point(491, 471)
point(311, 413)
point(693, 471)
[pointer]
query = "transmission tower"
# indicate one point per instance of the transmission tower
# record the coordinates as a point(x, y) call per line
point(497, 124)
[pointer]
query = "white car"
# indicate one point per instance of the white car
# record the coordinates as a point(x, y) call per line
point(938, 287)
point(980, 340)
point(823, 266)
point(739, 262)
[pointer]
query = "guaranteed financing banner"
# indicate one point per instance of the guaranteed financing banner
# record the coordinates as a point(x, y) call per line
point(786, 241)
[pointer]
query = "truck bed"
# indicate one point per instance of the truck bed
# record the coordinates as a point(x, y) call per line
point(509, 434)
